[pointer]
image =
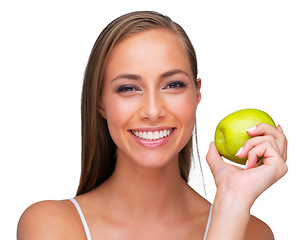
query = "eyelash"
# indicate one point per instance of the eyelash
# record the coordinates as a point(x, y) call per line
point(131, 88)
point(127, 88)
point(175, 84)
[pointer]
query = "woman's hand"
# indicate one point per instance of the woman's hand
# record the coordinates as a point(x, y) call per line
point(238, 188)
point(267, 142)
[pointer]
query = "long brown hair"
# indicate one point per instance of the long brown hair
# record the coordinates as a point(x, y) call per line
point(98, 149)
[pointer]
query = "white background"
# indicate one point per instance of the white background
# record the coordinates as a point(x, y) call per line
point(247, 57)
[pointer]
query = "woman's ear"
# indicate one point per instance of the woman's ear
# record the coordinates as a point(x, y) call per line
point(198, 93)
point(101, 110)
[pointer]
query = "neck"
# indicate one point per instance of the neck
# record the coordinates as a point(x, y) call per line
point(143, 192)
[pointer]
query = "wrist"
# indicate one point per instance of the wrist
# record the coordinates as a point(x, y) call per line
point(228, 196)
point(230, 216)
point(229, 201)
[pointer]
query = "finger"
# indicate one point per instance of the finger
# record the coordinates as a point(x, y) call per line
point(270, 155)
point(263, 129)
point(213, 157)
point(272, 161)
point(272, 167)
point(279, 128)
point(283, 143)
point(253, 142)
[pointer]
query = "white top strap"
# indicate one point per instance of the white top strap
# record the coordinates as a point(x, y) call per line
point(87, 230)
point(208, 222)
point(84, 222)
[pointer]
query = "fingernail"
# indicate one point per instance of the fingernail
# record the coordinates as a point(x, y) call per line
point(246, 164)
point(282, 131)
point(251, 129)
point(239, 151)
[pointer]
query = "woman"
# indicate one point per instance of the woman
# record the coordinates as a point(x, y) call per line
point(139, 104)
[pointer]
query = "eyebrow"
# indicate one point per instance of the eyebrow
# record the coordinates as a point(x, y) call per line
point(127, 76)
point(173, 72)
point(138, 77)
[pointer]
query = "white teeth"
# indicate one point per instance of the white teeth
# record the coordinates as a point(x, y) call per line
point(152, 135)
point(156, 135)
point(144, 134)
point(161, 134)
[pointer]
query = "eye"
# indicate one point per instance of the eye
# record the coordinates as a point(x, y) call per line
point(175, 84)
point(127, 89)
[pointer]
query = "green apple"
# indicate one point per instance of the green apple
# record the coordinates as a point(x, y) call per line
point(231, 132)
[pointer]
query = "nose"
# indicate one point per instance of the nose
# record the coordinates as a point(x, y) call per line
point(152, 106)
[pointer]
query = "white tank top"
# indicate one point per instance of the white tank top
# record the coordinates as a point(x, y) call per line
point(87, 230)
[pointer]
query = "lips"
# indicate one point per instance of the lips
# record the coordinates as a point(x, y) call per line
point(152, 135)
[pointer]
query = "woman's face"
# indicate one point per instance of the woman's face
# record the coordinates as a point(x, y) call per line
point(149, 98)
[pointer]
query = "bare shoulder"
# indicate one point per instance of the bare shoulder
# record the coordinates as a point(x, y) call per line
point(47, 220)
point(258, 230)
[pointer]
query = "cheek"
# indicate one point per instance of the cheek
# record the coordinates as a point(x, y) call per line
point(116, 108)
point(184, 107)
point(118, 113)
point(184, 110)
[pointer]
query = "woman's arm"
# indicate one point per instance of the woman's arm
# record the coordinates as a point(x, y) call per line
point(237, 189)
point(230, 217)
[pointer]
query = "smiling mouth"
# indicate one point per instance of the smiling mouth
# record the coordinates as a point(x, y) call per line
point(152, 135)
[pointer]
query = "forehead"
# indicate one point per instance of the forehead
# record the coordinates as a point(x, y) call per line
point(150, 50)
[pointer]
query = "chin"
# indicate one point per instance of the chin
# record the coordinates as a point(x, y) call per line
point(156, 161)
